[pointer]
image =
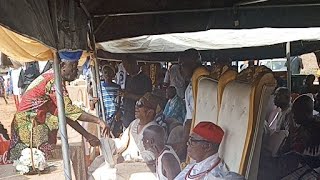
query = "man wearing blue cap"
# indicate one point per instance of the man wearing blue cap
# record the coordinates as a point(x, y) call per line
point(37, 113)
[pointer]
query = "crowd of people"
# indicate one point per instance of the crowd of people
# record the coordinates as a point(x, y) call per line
point(159, 134)
point(292, 132)
point(156, 120)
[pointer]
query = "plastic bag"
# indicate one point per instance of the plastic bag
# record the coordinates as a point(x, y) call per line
point(4, 149)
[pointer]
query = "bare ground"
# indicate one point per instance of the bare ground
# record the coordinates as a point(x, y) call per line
point(7, 112)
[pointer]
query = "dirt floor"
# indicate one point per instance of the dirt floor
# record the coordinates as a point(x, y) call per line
point(7, 112)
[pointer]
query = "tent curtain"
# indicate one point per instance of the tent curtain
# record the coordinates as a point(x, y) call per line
point(23, 49)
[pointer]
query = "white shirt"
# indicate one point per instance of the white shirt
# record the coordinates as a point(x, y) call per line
point(121, 76)
point(175, 78)
point(189, 102)
point(130, 143)
point(15, 74)
point(159, 166)
point(219, 172)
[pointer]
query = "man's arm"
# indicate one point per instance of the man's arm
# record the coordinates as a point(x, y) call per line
point(171, 166)
point(86, 117)
point(93, 140)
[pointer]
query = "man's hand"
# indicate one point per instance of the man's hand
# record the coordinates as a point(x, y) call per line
point(105, 128)
point(95, 100)
point(93, 140)
point(123, 93)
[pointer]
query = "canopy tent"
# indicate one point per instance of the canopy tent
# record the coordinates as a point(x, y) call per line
point(21, 48)
point(118, 19)
point(59, 24)
point(234, 44)
point(63, 24)
point(251, 53)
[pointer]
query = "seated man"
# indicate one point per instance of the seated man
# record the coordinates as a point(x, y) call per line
point(175, 107)
point(304, 134)
point(168, 164)
point(283, 118)
point(203, 146)
point(129, 146)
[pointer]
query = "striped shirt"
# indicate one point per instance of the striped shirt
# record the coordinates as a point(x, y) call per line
point(109, 94)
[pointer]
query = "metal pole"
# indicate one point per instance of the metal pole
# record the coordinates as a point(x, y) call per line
point(203, 10)
point(97, 74)
point(96, 67)
point(62, 118)
point(288, 66)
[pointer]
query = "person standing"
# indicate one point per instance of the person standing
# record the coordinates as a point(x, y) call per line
point(36, 116)
point(137, 84)
point(3, 89)
point(296, 65)
point(174, 77)
point(109, 93)
point(191, 68)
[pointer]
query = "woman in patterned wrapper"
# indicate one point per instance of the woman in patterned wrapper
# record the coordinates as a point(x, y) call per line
point(37, 114)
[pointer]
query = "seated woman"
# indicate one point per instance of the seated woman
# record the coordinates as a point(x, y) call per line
point(37, 119)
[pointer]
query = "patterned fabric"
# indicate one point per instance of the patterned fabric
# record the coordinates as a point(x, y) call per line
point(305, 138)
point(160, 119)
point(175, 108)
point(37, 116)
point(109, 94)
point(189, 102)
point(302, 173)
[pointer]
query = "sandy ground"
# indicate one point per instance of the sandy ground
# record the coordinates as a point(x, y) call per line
point(7, 112)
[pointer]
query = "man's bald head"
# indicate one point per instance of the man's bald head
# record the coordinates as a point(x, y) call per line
point(302, 109)
point(155, 132)
point(154, 136)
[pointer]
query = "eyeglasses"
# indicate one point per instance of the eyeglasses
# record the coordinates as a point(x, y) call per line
point(139, 104)
point(192, 141)
point(145, 140)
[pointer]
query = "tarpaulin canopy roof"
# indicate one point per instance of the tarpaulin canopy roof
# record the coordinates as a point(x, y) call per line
point(251, 53)
point(59, 24)
point(64, 24)
point(217, 43)
point(115, 19)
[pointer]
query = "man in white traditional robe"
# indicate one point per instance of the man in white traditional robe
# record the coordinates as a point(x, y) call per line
point(129, 147)
point(203, 146)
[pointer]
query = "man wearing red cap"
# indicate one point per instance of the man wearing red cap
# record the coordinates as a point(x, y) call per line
point(203, 146)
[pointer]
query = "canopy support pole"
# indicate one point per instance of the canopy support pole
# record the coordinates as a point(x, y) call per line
point(62, 118)
point(288, 52)
point(98, 80)
point(241, 7)
point(96, 72)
